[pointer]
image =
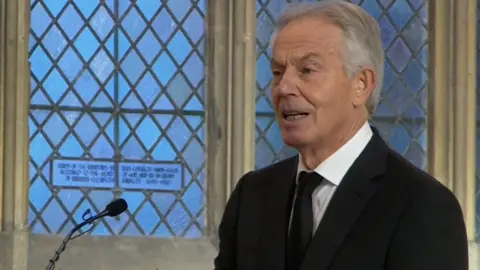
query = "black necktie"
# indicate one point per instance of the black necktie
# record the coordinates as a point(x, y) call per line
point(301, 227)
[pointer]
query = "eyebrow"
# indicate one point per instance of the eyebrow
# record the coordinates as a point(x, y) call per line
point(309, 56)
point(303, 58)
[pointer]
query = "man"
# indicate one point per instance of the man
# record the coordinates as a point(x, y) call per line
point(346, 201)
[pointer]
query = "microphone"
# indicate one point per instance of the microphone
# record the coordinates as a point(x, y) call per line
point(113, 209)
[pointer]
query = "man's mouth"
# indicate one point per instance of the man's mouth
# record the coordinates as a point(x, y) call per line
point(294, 115)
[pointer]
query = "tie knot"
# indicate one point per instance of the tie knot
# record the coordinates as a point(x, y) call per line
point(308, 182)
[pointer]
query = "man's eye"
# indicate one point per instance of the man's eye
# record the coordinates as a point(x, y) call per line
point(276, 73)
point(307, 70)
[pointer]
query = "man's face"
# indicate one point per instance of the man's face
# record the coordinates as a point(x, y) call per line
point(312, 95)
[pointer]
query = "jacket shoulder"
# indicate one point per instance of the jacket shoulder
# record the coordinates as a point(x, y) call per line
point(280, 167)
point(417, 181)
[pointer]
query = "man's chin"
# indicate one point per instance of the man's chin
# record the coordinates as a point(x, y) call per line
point(296, 142)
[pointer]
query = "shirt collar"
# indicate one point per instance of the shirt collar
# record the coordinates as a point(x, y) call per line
point(336, 166)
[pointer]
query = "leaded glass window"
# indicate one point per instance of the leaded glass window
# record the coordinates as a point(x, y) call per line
point(118, 82)
point(401, 115)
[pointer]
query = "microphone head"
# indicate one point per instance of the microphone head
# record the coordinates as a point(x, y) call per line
point(116, 207)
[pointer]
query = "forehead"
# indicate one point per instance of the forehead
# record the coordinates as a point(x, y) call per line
point(305, 36)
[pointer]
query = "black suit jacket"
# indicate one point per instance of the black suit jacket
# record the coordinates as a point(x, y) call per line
point(385, 214)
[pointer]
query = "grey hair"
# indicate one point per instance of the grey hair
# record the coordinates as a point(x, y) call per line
point(363, 44)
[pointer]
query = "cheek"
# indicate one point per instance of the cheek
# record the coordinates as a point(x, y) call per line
point(275, 96)
point(317, 97)
point(326, 95)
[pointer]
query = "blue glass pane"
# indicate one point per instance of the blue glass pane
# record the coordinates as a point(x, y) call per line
point(194, 104)
point(55, 85)
point(147, 132)
point(400, 13)
point(41, 19)
point(423, 56)
point(179, 127)
point(86, 44)
point(148, 46)
point(54, 6)
point(133, 24)
point(265, 29)
point(70, 148)
point(132, 102)
point(40, 150)
point(415, 34)
point(147, 218)
point(86, 86)
point(40, 63)
point(201, 6)
point(164, 68)
point(178, 219)
point(164, 151)
point(414, 76)
point(54, 42)
point(70, 198)
point(70, 22)
point(373, 8)
point(193, 198)
point(399, 55)
point(86, 129)
point(423, 14)
point(132, 149)
point(102, 23)
point(179, 8)
point(70, 64)
point(102, 66)
point(122, 7)
point(179, 90)
point(264, 75)
point(55, 128)
point(179, 47)
point(123, 44)
point(39, 194)
point(86, 7)
point(193, 69)
point(193, 155)
point(103, 148)
point(164, 25)
point(262, 105)
point(148, 7)
point(388, 32)
point(201, 47)
point(406, 138)
point(132, 230)
point(148, 89)
point(194, 26)
point(122, 87)
point(54, 216)
point(133, 67)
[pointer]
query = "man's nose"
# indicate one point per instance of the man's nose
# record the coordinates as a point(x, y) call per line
point(287, 85)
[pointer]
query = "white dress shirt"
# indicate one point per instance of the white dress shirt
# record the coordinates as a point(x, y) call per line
point(333, 169)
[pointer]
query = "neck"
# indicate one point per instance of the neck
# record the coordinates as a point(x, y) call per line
point(315, 155)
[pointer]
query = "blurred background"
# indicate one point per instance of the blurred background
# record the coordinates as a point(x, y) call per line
point(180, 88)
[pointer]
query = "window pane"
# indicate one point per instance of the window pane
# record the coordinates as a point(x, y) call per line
point(402, 110)
point(118, 86)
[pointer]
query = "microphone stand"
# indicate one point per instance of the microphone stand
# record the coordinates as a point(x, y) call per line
point(68, 237)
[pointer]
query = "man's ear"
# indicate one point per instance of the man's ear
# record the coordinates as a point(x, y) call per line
point(363, 85)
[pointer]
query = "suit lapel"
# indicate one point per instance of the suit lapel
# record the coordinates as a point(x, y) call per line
point(278, 193)
point(348, 202)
